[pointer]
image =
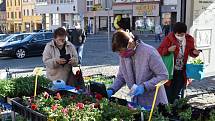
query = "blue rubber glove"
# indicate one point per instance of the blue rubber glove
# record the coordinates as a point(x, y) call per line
point(139, 90)
point(109, 93)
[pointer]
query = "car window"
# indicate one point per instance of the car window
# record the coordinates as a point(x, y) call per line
point(48, 35)
point(39, 37)
point(17, 38)
point(3, 36)
point(7, 38)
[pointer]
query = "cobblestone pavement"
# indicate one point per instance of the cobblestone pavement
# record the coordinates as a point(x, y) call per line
point(202, 93)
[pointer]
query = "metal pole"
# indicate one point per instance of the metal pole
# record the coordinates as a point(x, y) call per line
point(108, 29)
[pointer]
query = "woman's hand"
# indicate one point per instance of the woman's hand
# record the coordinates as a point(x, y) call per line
point(72, 61)
point(61, 61)
point(139, 90)
point(196, 52)
point(172, 48)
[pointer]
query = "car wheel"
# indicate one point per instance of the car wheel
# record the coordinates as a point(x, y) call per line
point(20, 53)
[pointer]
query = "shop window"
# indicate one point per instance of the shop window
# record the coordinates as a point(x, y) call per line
point(145, 24)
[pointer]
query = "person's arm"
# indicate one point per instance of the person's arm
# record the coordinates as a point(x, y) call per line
point(159, 70)
point(118, 82)
point(48, 60)
point(160, 29)
point(164, 46)
point(83, 36)
point(192, 48)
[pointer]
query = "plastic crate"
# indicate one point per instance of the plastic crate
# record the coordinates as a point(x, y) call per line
point(25, 111)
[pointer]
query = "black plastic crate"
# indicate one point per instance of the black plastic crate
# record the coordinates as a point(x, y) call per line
point(26, 112)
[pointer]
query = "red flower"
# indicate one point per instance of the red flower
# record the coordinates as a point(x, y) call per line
point(33, 106)
point(54, 107)
point(78, 88)
point(98, 96)
point(58, 96)
point(46, 95)
point(80, 105)
point(65, 111)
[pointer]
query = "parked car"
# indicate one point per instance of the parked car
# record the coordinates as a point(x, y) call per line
point(2, 36)
point(32, 44)
point(42, 30)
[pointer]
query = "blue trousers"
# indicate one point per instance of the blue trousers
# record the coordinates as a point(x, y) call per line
point(80, 50)
point(157, 38)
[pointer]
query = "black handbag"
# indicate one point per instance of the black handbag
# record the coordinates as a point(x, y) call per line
point(76, 79)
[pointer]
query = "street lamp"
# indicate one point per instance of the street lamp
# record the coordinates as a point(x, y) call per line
point(107, 9)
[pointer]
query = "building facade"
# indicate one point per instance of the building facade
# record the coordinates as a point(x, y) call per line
point(141, 14)
point(199, 16)
point(59, 13)
point(30, 20)
point(96, 15)
point(2, 15)
point(14, 15)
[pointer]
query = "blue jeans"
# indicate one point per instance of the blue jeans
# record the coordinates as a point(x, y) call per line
point(80, 50)
point(157, 37)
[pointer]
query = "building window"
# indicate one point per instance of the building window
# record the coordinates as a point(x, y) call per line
point(24, 12)
point(19, 2)
point(15, 15)
point(15, 2)
point(54, 2)
point(89, 8)
point(89, 5)
point(27, 12)
point(20, 14)
point(32, 11)
point(97, 1)
point(12, 15)
point(8, 15)
point(55, 19)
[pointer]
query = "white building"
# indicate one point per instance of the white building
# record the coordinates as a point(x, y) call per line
point(199, 18)
point(59, 13)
